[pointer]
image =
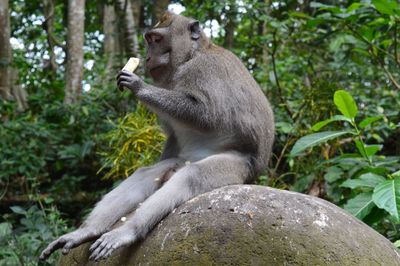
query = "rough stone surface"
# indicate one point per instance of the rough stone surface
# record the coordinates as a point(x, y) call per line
point(254, 225)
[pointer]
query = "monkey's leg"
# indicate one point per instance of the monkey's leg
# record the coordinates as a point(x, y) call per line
point(196, 178)
point(117, 203)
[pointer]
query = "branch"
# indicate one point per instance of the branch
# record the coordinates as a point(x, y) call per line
point(280, 94)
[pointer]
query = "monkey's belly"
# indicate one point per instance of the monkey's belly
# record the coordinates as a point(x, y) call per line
point(195, 147)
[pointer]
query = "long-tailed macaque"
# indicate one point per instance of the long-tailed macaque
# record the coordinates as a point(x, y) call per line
point(220, 130)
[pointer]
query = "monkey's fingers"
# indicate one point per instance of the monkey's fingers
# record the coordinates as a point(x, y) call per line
point(123, 84)
point(70, 244)
point(53, 246)
point(124, 73)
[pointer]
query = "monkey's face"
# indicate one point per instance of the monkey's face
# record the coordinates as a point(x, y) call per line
point(170, 44)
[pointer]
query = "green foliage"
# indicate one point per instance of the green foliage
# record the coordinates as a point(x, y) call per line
point(26, 232)
point(135, 141)
point(300, 53)
point(374, 184)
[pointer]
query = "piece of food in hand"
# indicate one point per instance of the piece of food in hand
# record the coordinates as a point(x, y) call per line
point(132, 64)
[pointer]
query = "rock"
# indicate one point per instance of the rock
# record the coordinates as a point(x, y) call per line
point(254, 225)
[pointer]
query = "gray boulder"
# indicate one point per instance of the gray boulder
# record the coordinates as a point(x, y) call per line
point(253, 225)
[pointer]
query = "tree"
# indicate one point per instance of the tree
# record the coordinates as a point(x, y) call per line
point(74, 70)
point(5, 51)
point(129, 11)
point(48, 25)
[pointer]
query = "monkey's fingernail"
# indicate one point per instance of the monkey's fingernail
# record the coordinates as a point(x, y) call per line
point(187, 162)
point(123, 219)
point(157, 179)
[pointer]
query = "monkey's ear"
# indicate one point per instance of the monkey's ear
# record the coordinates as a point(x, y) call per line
point(194, 28)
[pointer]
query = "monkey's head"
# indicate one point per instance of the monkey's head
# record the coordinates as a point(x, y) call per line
point(171, 43)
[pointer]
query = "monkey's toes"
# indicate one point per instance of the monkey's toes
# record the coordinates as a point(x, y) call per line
point(109, 242)
point(102, 248)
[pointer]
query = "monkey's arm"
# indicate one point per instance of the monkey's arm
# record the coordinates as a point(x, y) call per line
point(188, 105)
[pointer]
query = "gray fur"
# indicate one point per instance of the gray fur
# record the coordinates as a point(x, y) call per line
point(220, 131)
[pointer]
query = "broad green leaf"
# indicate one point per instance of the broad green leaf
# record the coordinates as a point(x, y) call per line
point(361, 205)
point(353, 7)
point(396, 174)
point(369, 120)
point(314, 140)
point(321, 124)
point(366, 180)
point(345, 103)
point(5, 229)
point(18, 210)
point(385, 6)
point(368, 150)
point(360, 148)
point(387, 196)
point(372, 149)
point(333, 174)
point(297, 14)
point(397, 243)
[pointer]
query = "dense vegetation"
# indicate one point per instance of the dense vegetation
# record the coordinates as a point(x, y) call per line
point(329, 68)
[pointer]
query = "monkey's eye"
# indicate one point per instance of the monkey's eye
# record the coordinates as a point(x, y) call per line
point(153, 37)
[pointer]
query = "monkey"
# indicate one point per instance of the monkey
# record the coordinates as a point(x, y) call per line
point(219, 127)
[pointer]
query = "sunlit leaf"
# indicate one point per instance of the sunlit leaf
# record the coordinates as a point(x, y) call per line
point(345, 103)
point(321, 124)
point(369, 120)
point(387, 196)
point(370, 180)
point(361, 205)
point(314, 140)
point(386, 7)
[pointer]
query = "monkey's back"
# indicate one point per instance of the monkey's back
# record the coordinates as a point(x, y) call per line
point(239, 105)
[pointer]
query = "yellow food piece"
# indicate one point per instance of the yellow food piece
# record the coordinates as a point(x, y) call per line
point(132, 64)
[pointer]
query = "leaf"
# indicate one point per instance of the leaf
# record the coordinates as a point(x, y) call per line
point(396, 174)
point(361, 205)
point(387, 196)
point(397, 243)
point(345, 103)
point(5, 229)
point(366, 180)
point(314, 140)
point(18, 210)
point(386, 7)
point(372, 149)
point(321, 124)
point(368, 150)
point(369, 120)
point(333, 174)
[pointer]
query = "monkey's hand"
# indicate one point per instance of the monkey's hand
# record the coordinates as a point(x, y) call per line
point(109, 242)
point(68, 241)
point(130, 81)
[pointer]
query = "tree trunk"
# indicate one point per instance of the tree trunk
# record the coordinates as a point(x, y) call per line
point(74, 70)
point(111, 38)
point(5, 51)
point(129, 25)
point(48, 25)
point(159, 7)
point(230, 25)
point(18, 92)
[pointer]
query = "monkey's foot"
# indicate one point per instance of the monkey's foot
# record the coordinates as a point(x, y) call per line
point(68, 241)
point(109, 242)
